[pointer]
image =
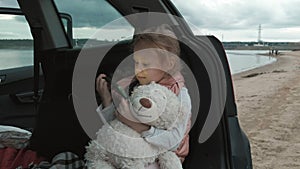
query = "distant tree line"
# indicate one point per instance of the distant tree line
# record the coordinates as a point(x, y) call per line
point(16, 44)
point(262, 45)
point(28, 43)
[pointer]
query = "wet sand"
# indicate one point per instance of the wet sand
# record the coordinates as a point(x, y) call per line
point(268, 102)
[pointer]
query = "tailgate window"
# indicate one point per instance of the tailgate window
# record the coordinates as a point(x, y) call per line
point(96, 21)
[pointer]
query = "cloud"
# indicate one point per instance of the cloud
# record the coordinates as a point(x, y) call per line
point(9, 3)
point(91, 13)
point(239, 19)
point(223, 18)
point(237, 14)
point(96, 13)
point(15, 27)
point(8, 35)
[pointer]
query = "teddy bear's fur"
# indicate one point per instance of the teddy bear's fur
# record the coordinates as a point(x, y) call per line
point(119, 146)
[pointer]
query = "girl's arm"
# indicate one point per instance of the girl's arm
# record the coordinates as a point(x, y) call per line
point(137, 126)
point(124, 115)
point(170, 139)
point(106, 114)
point(109, 113)
point(106, 108)
point(102, 89)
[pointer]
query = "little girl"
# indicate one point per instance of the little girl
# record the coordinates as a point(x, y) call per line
point(156, 59)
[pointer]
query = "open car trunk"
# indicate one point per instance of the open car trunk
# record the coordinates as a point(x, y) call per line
point(55, 124)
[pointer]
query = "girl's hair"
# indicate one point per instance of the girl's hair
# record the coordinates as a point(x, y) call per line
point(162, 37)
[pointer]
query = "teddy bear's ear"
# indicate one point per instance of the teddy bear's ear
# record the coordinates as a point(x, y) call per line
point(146, 103)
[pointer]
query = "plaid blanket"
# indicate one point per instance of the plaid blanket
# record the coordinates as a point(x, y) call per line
point(64, 160)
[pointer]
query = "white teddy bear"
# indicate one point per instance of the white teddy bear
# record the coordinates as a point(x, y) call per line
point(119, 146)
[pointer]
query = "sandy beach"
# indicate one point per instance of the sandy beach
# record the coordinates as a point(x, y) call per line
point(268, 102)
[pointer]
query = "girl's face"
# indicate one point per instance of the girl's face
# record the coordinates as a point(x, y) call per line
point(148, 66)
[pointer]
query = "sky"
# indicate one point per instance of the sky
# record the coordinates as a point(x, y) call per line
point(228, 20)
point(238, 20)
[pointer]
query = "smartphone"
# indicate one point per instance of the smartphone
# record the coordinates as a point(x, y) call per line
point(116, 87)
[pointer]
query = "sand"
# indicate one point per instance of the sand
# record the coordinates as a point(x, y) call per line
point(268, 102)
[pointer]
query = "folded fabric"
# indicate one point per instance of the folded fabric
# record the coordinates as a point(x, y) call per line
point(63, 160)
point(18, 158)
point(14, 137)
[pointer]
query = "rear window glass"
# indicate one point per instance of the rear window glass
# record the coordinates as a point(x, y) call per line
point(9, 4)
point(16, 44)
point(95, 20)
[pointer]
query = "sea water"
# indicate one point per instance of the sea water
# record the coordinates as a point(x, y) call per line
point(239, 60)
point(242, 60)
point(12, 58)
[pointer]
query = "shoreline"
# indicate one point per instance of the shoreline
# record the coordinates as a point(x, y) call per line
point(262, 68)
point(266, 60)
point(268, 104)
point(249, 70)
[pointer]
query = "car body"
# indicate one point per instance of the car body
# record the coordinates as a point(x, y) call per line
point(39, 98)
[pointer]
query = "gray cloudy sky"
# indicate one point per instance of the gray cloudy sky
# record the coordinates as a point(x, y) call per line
point(229, 20)
point(239, 19)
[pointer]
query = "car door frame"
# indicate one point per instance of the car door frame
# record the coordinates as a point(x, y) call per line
point(229, 123)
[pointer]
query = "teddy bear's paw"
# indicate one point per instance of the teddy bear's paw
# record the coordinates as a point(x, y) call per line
point(169, 160)
point(101, 164)
point(135, 165)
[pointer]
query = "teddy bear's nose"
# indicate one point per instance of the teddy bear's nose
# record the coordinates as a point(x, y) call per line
point(145, 103)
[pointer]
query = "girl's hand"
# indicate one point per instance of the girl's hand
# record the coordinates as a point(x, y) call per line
point(124, 115)
point(102, 89)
